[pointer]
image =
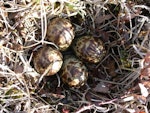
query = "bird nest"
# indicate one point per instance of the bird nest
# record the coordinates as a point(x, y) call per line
point(119, 82)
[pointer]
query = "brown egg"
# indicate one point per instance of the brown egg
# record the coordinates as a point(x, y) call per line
point(61, 32)
point(73, 72)
point(47, 59)
point(89, 49)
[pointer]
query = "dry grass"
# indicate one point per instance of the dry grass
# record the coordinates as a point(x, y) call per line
point(125, 29)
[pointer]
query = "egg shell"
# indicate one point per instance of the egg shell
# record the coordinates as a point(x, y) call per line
point(89, 49)
point(61, 32)
point(74, 73)
point(47, 58)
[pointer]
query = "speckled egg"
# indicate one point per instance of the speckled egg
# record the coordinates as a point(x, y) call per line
point(47, 59)
point(73, 72)
point(89, 49)
point(61, 32)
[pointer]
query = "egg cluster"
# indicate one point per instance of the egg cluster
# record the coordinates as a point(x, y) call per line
point(73, 71)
